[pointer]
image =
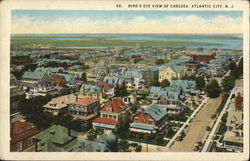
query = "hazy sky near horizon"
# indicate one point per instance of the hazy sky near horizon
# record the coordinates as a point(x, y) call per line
point(84, 21)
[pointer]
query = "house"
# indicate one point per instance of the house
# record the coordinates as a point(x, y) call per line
point(149, 119)
point(137, 79)
point(192, 67)
point(239, 102)
point(70, 79)
point(150, 74)
point(173, 109)
point(130, 99)
point(39, 74)
point(233, 137)
point(84, 109)
point(111, 115)
point(171, 72)
point(13, 80)
point(56, 138)
point(21, 134)
point(167, 95)
point(57, 80)
point(90, 91)
point(36, 81)
point(187, 86)
point(16, 96)
point(106, 142)
point(59, 104)
point(107, 89)
point(115, 80)
point(21, 60)
point(203, 58)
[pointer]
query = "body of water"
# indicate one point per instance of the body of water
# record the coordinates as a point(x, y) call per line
point(228, 41)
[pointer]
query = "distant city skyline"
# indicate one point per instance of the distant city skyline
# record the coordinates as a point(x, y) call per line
point(83, 21)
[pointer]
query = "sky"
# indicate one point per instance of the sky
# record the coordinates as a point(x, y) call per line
point(84, 21)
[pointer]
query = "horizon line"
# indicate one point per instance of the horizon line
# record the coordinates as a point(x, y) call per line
point(113, 33)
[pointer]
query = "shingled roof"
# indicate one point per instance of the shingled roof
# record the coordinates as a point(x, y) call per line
point(116, 105)
point(156, 111)
point(21, 130)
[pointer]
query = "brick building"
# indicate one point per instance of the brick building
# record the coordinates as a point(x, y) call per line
point(57, 79)
point(21, 136)
point(112, 115)
point(85, 109)
point(149, 119)
point(150, 74)
point(204, 58)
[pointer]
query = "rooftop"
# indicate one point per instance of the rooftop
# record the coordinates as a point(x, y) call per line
point(85, 101)
point(106, 121)
point(116, 105)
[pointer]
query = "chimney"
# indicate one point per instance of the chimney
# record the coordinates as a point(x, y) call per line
point(36, 145)
point(69, 131)
point(143, 109)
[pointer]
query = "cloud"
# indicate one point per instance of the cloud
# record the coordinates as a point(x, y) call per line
point(139, 24)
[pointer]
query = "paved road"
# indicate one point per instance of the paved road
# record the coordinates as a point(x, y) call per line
point(197, 129)
point(211, 135)
point(186, 123)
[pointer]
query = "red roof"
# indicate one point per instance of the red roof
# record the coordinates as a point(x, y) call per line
point(106, 121)
point(239, 101)
point(85, 101)
point(83, 117)
point(116, 104)
point(21, 130)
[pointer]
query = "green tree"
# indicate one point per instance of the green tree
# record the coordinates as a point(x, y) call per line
point(123, 146)
point(159, 62)
point(138, 148)
point(200, 82)
point(240, 67)
point(33, 110)
point(232, 65)
point(134, 108)
point(228, 83)
point(122, 91)
point(165, 83)
point(156, 83)
point(213, 89)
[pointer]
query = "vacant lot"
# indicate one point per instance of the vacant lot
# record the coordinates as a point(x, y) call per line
point(197, 130)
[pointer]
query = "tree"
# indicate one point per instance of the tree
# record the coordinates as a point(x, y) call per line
point(159, 62)
point(134, 108)
point(124, 125)
point(213, 89)
point(228, 83)
point(32, 109)
point(165, 83)
point(122, 91)
point(138, 148)
point(238, 71)
point(155, 83)
point(232, 65)
point(240, 67)
point(200, 82)
point(123, 146)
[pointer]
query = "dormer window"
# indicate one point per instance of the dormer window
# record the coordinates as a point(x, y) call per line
point(109, 109)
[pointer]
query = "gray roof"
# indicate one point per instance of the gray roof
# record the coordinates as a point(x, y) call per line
point(53, 136)
point(156, 111)
point(37, 74)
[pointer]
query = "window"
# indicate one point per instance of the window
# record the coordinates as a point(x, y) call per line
point(151, 122)
point(20, 146)
point(30, 141)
